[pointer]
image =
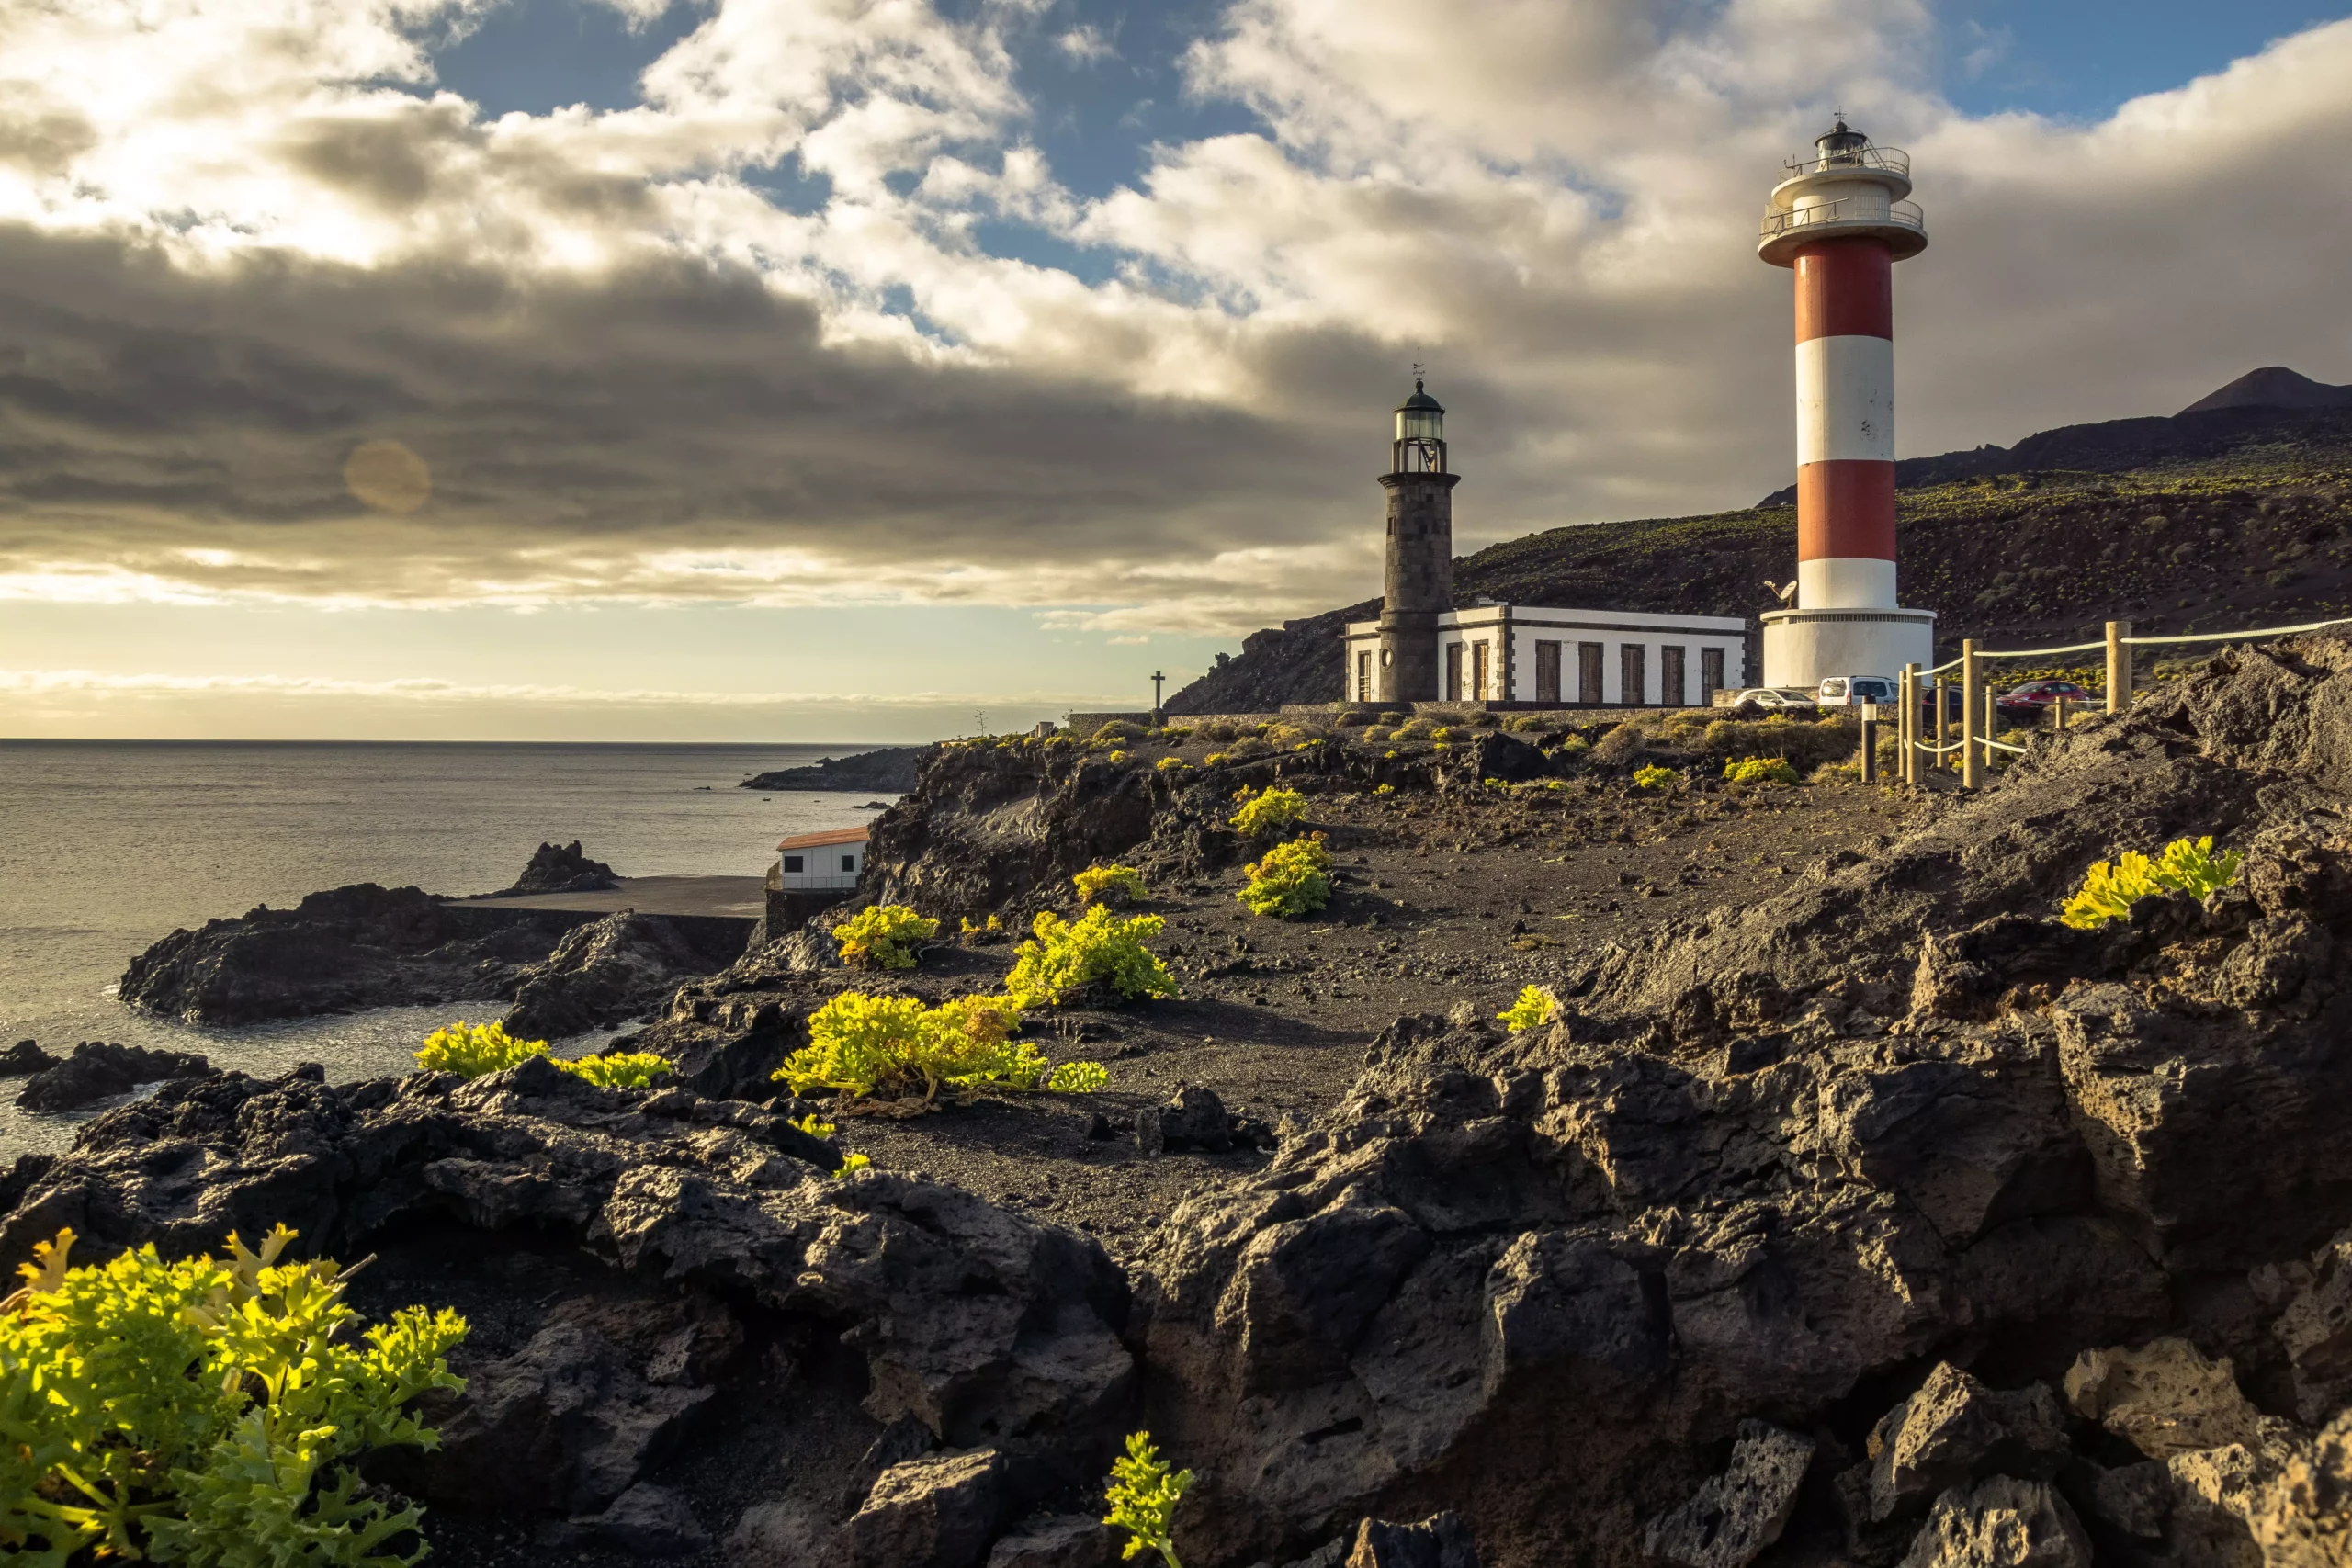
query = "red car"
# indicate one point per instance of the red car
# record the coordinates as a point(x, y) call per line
point(2033, 700)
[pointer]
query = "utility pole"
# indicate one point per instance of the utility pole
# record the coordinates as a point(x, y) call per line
point(1156, 679)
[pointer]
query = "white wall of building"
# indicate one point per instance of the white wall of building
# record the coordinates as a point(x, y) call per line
point(826, 868)
point(1522, 626)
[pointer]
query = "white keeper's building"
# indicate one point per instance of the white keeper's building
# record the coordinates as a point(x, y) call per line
point(1525, 653)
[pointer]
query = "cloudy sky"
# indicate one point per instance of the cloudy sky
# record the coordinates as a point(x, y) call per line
point(842, 369)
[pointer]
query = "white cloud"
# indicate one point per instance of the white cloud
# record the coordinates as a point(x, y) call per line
point(250, 234)
point(1085, 46)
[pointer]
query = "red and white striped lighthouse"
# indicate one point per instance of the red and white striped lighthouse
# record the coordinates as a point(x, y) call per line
point(1839, 222)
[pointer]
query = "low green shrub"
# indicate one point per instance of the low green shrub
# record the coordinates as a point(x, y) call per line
point(1292, 879)
point(892, 1046)
point(1536, 1006)
point(1623, 742)
point(2184, 865)
point(975, 932)
point(470, 1050)
point(1377, 733)
point(1142, 1496)
point(1805, 743)
point(1119, 730)
point(882, 936)
point(1173, 765)
point(1098, 883)
point(1098, 945)
point(1079, 1078)
point(206, 1412)
point(620, 1069)
point(1654, 778)
point(1483, 720)
point(1384, 789)
point(1219, 731)
point(1268, 812)
point(1760, 769)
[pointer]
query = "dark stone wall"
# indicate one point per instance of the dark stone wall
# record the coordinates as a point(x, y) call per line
point(1419, 584)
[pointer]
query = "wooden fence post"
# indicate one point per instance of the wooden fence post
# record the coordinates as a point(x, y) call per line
point(1970, 682)
point(2118, 666)
point(1870, 743)
point(1907, 725)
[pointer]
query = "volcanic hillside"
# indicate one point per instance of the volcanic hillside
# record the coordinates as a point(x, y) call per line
point(2217, 517)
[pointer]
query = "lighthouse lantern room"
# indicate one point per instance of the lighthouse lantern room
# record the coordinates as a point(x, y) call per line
point(1838, 220)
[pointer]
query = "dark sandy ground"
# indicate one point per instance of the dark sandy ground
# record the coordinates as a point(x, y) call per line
point(1441, 903)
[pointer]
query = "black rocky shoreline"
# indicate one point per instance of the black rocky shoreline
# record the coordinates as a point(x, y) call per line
point(1864, 1215)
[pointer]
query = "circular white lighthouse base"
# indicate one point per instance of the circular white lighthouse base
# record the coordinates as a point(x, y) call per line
point(1802, 647)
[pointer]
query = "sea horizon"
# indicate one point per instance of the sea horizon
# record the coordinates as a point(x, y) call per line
point(99, 859)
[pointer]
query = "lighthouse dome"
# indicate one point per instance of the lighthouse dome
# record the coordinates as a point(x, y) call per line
point(1420, 417)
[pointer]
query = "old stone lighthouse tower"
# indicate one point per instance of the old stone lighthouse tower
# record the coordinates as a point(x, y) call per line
point(1420, 551)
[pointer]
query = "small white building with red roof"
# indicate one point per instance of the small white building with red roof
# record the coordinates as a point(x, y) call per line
point(820, 863)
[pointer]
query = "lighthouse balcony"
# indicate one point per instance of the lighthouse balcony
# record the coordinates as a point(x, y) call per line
point(1891, 159)
point(1900, 223)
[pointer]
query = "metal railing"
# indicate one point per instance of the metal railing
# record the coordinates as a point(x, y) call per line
point(1975, 746)
point(1894, 160)
point(1903, 214)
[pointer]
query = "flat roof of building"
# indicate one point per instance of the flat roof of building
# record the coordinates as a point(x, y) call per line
point(819, 840)
point(1483, 615)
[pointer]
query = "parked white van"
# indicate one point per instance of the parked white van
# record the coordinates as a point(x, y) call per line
point(1852, 690)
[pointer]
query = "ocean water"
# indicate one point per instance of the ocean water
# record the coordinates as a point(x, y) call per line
point(105, 846)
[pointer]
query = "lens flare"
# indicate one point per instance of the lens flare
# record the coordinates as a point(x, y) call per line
point(387, 477)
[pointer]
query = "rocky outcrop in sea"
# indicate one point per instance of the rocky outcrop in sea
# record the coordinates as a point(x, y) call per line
point(561, 868)
point(890, 769)
point(365, 946)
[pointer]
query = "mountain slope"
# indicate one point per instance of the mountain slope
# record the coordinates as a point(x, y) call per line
point(2232, 517)
point(2274, 386)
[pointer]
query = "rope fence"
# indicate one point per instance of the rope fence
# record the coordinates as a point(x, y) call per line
point(1916, 686)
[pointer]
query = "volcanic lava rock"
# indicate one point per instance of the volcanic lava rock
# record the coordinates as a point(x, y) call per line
point(566, 1426)
point(649, 1521)
point(1736, 1515)
point(987, 1329)
point(1550, 1274)
point(1953, 1430)
point(1194, 1119)
point(935, 1512)
point(24, 1056)
point(1441, 1540)
point(1060, 1540)
point(98, 1071)
point(618, 967)
point(891, 769)
point(362, 946)
point(2001, 1523)
point(987, 832)
point(561, 868)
